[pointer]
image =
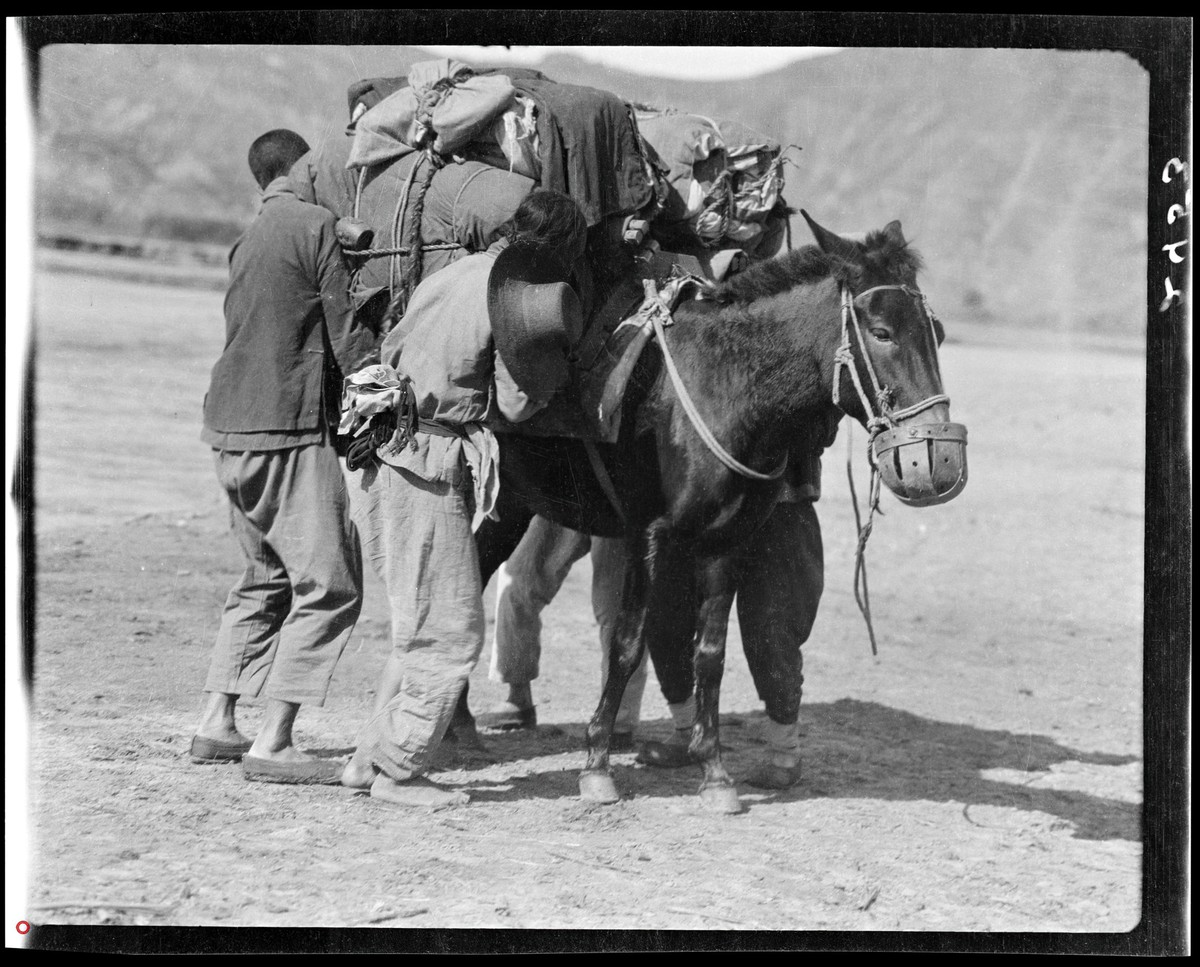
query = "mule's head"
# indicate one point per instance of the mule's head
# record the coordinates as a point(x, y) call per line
point(886, 371)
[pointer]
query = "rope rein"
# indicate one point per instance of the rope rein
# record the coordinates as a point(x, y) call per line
point(880, 414)
point(863, 600)
point(880, 418)
point(658, 312)
point(877, 406)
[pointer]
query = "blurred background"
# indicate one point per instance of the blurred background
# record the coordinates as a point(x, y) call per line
point(1021, 175)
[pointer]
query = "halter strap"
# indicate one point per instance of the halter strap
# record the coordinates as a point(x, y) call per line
point(911, 292)
point(879, 421)
point(880, 415)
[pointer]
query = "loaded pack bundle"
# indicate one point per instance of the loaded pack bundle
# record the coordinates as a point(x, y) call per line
point(436, 162)
point(725, 184)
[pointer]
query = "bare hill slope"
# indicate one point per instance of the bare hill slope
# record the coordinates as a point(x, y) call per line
point(1021, 174)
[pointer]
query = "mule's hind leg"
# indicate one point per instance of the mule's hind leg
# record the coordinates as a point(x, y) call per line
point(715, 577)
point(596, 782)
point(670, 636)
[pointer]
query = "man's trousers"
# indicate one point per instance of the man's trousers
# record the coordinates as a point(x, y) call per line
point(528, 581)
point(288, 618)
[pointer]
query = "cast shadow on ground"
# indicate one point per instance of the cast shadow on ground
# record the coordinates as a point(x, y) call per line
point(851, 750)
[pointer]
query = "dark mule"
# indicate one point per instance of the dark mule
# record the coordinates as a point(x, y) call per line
point(832, 328)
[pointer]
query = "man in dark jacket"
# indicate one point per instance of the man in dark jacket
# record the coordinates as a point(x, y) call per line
point(289, 327)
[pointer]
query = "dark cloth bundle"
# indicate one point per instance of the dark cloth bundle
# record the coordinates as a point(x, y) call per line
point(590, 148)
point(588, 143)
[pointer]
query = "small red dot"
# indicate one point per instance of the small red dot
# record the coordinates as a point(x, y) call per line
point(22, 927)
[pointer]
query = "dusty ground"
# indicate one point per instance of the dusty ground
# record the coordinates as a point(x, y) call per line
point(983, 774)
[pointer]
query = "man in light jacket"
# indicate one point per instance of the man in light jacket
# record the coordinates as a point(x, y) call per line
point(415, 500)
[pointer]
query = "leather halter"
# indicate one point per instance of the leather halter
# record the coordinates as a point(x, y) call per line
point(882, 420)
point(880, 415)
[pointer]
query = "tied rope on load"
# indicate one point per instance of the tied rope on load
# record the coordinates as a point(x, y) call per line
point(407, 245)
point(434, 123)
point(371, 252)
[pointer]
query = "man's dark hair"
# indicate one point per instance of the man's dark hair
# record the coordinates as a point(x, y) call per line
point(273, 154)
point(548, 218)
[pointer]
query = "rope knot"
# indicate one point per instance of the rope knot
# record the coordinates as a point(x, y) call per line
point(876, 425)
point(883, 399)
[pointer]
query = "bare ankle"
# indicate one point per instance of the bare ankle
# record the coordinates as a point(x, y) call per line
point(275, 735)
point(359, 772)
point(218, 719)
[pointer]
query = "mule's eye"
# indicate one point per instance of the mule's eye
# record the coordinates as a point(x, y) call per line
point(882, 335)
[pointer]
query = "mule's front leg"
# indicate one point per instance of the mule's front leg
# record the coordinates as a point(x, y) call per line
point(716, 584)
point(595, 782)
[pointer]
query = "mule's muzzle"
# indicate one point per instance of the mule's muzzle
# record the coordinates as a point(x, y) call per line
point(923, 464)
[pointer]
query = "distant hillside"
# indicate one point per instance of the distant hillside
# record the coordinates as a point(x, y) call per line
point(1020, 174)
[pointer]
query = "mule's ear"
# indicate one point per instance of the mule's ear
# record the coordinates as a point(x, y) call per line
point(827, 241)
point(893, 232)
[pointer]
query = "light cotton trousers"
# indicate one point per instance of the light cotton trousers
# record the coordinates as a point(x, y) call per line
point(528, 582)
point(288, 618)
point(417, 535)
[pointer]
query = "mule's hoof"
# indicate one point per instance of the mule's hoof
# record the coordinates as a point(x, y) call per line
point(598, 787)
point(720, 799)
point(665, 755)
point(767, 775)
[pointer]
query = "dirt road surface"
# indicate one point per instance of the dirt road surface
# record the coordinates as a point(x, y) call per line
point(982, 774)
